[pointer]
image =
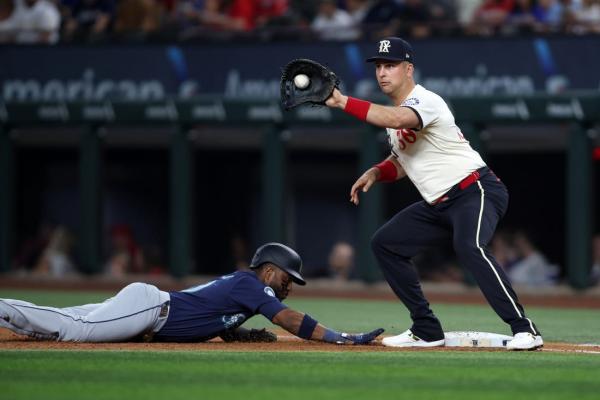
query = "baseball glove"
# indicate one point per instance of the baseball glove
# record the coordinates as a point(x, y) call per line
point(322, 81)
point(248, 335)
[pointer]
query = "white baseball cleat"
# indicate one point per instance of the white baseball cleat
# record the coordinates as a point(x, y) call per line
point(407, 339)
point(525, 341)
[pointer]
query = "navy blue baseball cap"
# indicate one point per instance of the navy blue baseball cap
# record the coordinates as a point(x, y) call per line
point(392, 49)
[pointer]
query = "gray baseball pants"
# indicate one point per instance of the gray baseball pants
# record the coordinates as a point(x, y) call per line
point(136, 309)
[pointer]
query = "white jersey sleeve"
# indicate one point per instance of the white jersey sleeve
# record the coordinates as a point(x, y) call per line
point(427, 110)
point(437, 156)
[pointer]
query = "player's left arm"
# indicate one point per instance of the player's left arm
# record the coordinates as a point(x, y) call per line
point(375, 174)
point(305, 327)
point(376, 114)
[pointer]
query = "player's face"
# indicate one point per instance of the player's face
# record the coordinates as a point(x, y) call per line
point(280, 281)
point(392, 76)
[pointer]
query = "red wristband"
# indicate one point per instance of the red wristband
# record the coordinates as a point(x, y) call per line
point(388, 171)
point(357, 107)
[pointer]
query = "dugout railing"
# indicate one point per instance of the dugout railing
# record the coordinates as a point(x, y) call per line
point(580, 111)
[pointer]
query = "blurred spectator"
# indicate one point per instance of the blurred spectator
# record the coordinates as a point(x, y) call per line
point(443, 15)
point(279, 20)
point(126, 256)
point(333, 23)
point(382, 19)
point(167, 5)
point(187, 12)
point(240, 253)
point(154, 260)
point(357, 9)
point(92, 20)
point(532, 268)
point(491, 16)
point(304, 11)
point(7, 21)
point(570, 8)
point(208, 16)
point(55, 260)
point(416, 19)
point(529, 16)
point(595, 272)
point(33, 247)
point(587, 18)
point(269, 12)
point(439, 266)
point(36, 22)
point(241, 14)
point(88, 19)
point(137, 18)
point(503, 250)
point(341, 261)
point(465, 10)
point(232, 15)
point(549, 15)
point(521, 18)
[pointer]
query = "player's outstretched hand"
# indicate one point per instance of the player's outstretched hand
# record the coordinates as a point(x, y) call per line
point(336, 100)
point(361, 338)
point(363, 183)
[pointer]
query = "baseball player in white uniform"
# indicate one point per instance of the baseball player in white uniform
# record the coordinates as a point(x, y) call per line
point(462, 198)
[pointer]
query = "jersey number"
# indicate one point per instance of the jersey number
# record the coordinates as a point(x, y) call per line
point(405, 137)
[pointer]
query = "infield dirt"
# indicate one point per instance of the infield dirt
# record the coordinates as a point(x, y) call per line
point(285, 342)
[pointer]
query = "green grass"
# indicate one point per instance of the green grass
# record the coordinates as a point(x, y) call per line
point(55, 298)
point(312, 375)
point(317, 375)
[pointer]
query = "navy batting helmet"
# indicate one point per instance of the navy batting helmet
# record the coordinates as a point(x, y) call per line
point(281, 256)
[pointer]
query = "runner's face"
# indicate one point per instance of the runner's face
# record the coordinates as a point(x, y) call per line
point(280, 281)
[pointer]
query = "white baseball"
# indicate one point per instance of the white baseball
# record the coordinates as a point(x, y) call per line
point(301, 81)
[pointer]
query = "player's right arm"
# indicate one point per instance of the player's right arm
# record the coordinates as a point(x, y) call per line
point(291, 320)
point(372, 175)
point(376, 114)
point(303, 326)
point(253, 295)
